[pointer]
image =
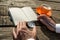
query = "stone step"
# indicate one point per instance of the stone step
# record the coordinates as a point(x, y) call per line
point(3, 10)
point(5, 20)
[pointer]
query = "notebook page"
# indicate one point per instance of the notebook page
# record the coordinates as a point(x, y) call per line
point(29, 13)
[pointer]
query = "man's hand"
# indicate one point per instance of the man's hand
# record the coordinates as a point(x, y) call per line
point(47, 21)
point(22, 32)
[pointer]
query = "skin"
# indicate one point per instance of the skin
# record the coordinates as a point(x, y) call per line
point(21, 32)
point(44, 19)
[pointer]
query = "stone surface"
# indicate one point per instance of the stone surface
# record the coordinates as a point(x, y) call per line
point(42, 32)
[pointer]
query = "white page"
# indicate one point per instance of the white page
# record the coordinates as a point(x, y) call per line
point(17, 15)
point(22, 14)
point(29, 13)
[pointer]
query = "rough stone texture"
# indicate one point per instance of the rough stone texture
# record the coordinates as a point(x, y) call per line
point(42, 32)
point(3, 10)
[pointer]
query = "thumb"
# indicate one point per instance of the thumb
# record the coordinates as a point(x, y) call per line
point(34, 31)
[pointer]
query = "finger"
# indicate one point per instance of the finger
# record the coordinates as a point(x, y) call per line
point(34, 31)
point(21, 25)
point(42, 15)
point(14, 33)
point(24, 25)
point(39, 17)
point(18, 27)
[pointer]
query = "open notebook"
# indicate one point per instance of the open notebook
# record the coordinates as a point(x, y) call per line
point(22, 14)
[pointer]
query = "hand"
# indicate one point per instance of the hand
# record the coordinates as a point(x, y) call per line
point(47, 21)
point(22, 32)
